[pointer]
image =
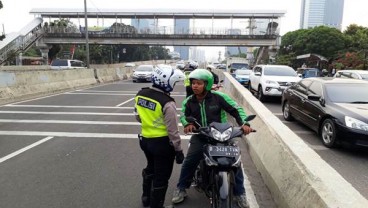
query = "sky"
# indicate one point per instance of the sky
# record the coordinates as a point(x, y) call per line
point(15, 13)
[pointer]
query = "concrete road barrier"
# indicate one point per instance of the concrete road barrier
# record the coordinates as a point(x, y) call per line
point(293, 172)
point(115, 72)
point(29, 83)
point(23, 82)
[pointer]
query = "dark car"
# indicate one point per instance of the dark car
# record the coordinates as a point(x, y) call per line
point(335, 108)
point(221, 66)
point(309, 72)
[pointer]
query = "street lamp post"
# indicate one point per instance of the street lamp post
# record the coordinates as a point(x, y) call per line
point(86, 32)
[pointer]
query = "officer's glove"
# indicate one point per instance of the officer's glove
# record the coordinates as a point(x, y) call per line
point(179, 157)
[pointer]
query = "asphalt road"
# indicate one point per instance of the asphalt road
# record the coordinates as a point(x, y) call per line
point(80, 149)
point(350, 162)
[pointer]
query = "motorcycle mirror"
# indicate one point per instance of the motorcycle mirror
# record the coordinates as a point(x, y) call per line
point(193, 120)
point(190, 119)
point(250, 117)
point(221, 81)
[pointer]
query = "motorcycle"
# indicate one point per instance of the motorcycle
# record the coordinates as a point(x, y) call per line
point(216, 87)
point(215, 174)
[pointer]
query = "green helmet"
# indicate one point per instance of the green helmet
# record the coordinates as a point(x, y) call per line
point(202, 74)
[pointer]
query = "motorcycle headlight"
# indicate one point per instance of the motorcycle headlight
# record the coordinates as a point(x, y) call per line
point(355, 123)
point(221, 136)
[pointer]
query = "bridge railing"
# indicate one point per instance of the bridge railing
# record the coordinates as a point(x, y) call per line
point(165, 30)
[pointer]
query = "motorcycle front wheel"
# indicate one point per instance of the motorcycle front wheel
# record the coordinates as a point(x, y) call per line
point(222, 190)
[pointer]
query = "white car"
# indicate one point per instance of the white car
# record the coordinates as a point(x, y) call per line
point(60, 64)
point(354, 74)
point(130, 65)
point(142, 73)
point(271, 80)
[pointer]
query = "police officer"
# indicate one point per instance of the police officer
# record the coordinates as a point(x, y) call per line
point(159, 138)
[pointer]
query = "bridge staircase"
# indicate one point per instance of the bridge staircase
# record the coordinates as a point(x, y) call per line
point(19, 42)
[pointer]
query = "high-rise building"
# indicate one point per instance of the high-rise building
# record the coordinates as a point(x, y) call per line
point(181, 26)
point(143, 25)
point(230, 51)
point(321, 12)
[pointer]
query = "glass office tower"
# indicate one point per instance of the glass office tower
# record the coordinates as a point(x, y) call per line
point(321, 12)
point(181, 26)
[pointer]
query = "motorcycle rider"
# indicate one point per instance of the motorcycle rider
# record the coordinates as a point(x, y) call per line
point(187, 70)
point(324, 73)
point(207, 106)
point(159, 138)
point(215, 77)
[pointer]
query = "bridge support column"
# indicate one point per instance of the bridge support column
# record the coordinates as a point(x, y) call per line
point(19, 60)
point(44, 48)
point(45, 55)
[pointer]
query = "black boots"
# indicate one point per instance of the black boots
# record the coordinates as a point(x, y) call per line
point(147, 185)
point(158, 197)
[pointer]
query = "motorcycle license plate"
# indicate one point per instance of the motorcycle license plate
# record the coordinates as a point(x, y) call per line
point(223, 151)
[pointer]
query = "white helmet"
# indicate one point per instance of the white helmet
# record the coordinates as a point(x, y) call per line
point(193, 65)
point(164, 77)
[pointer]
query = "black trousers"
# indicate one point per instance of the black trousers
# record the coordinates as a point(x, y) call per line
point(160, 155)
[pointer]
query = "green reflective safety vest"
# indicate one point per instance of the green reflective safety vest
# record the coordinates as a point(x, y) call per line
point(149, 104)
point(186, 80)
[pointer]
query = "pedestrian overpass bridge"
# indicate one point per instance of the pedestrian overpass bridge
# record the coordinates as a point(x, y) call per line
point(257, 28)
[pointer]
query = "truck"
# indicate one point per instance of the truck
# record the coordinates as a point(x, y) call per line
point(234, 63)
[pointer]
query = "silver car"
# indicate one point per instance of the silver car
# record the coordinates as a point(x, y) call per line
point(143, 73)
point(354, 74)
point(60, 64)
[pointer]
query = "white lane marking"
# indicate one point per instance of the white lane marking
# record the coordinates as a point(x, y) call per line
point(286, 122)
point(102, 91)
point(125, 102)
point(278, 114)
point(71, 122)
point(25, 149)
point(249, 191)
point(304, 132)
point(39, 98)
point(68, 106)
point(318, 147)
point(96, 93)
point(67, 113)
point(72, 106)
point(120, 94)
point(77, 135)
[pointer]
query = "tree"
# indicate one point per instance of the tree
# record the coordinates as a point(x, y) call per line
point(54, 50)
point(62, 24)
point(321, 40)
point(33, 51)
